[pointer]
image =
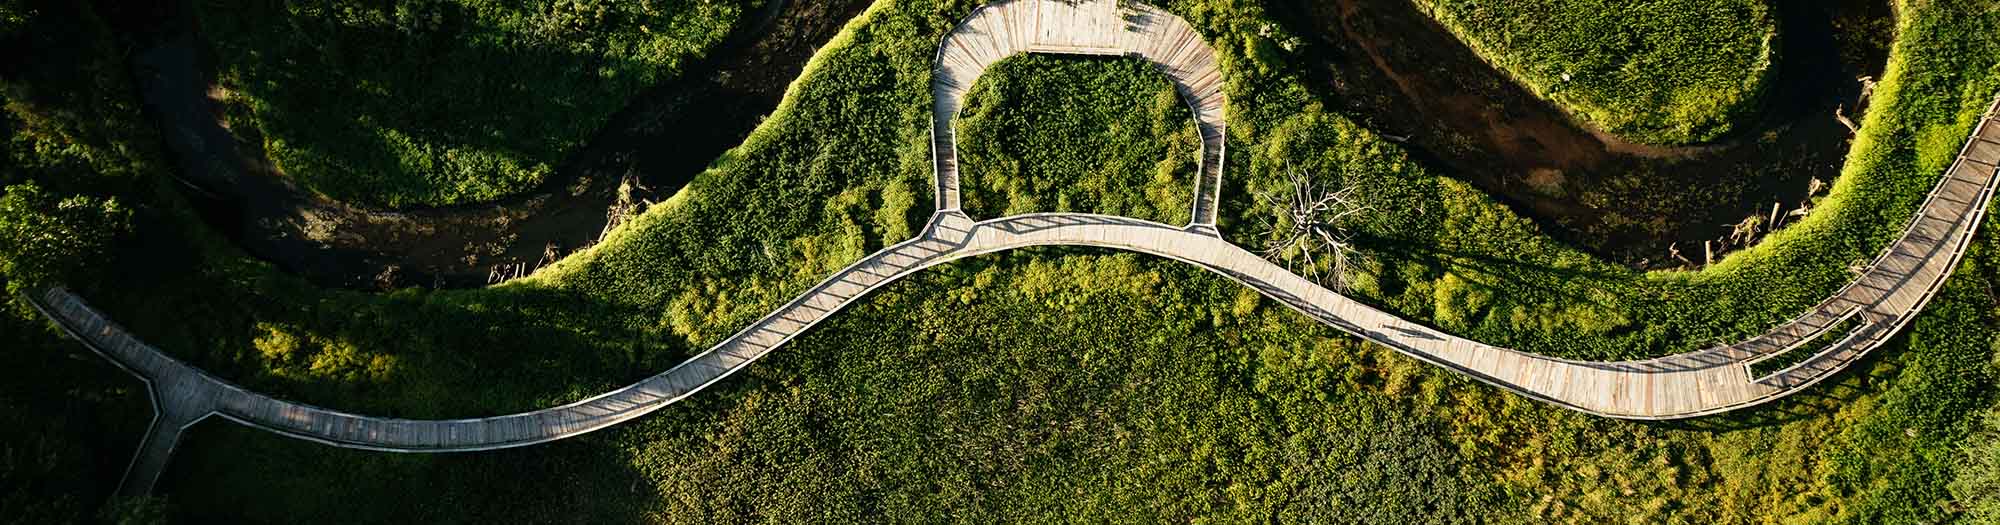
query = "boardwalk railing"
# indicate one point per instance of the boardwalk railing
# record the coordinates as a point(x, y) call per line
point(1011, 27)
point(1884, 297)
point(1750, 367)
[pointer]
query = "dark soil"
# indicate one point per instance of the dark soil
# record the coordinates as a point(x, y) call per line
point(1399, 72)
point(652, 148)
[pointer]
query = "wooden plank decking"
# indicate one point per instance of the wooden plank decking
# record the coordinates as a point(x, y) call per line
point(1095, 27)
point(1884, 297)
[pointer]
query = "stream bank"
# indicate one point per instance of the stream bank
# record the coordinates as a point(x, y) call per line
point(660, 141)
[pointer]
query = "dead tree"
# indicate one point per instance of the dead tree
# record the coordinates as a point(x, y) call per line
point(1867, 89)
point(389, 279)
point(1840, 114)
point(1860, 105)
point(627, 206)
point(1310, 228)
point(550, 253)
point(1745, 231)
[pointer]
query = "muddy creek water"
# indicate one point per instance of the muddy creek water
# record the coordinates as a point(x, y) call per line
point(1399, 72)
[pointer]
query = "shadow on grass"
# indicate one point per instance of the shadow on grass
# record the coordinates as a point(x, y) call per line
point(1498, 274)
point(410, 353)
point(69, 420)
point(228, 473)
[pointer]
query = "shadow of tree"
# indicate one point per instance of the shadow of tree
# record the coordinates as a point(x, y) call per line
point(1500, 274)
point(225, 472)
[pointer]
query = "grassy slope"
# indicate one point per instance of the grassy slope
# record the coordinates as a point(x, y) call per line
point(1044, 133)
point(397, 104)
point(1653, 71)
point(743, 237)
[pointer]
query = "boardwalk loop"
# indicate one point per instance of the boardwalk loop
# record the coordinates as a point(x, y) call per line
point(1884, 298)
point(1091, 27)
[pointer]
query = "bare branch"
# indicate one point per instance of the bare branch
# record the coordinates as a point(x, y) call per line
point(1310, 228)
point(1840, 114)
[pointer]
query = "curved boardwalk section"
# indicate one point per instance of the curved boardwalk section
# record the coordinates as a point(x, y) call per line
point(1794, 355)
point(1092, 27)
point(183, 394)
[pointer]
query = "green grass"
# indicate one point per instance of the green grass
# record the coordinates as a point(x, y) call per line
point(1067, 385)
point(1977, 484)
point(819, 185)
point(1077, 386)
point(1043, 133)
point(1976, 462)
point(1442, 252)
point(437, 102)
point(1652, 71)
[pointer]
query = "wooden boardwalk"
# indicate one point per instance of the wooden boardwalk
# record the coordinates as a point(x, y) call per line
point(1879, 302)
point(1091, 27)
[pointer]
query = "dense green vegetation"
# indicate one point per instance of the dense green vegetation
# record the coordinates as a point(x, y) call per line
point(1977, 486)
point(432, 102)
point(68, 423)
point(1053, 385)
point(1045, 133)
point(1653, 71)
point(64, 166)
point(1441, 251)
point(68, 419)
point(1016, 389)
point(1077, 386)
point(45, 241)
